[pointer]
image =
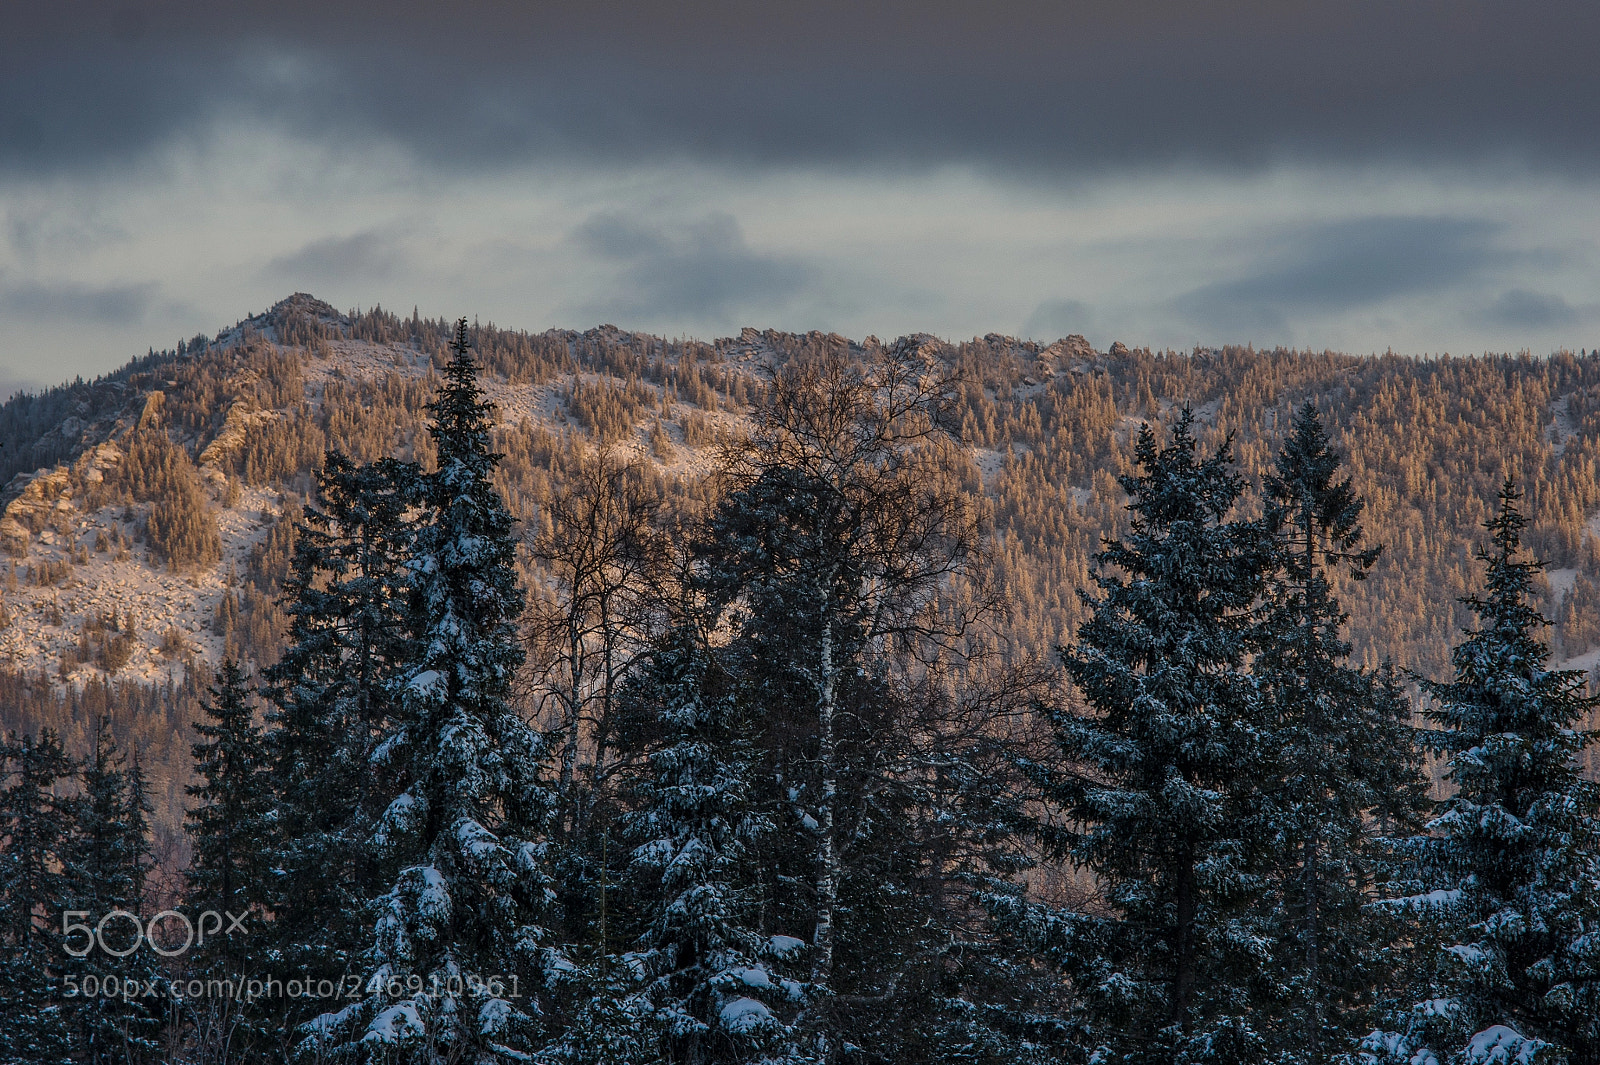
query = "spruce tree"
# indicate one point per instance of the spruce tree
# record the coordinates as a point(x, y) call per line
point(36, 826)
point(229, 833)
point(1511, 857)
point(1346, 761)
point(1157, 774)
point(459, 948)
point(110, 858)
point(716, 987)
point(332, 693)
point(112, 855)
point(229, 824)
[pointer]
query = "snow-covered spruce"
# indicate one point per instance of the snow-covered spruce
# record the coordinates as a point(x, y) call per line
point(1159, 778)
point(716, 987)
point(460, 949)
point(334, 693)
point(1507, 882)
point(1345, 770)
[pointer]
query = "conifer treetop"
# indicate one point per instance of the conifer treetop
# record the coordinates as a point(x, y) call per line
point(1302, 491)
point(461, 425)
point(1501, 685)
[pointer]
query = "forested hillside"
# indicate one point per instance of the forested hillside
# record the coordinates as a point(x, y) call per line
point(590, 699)
point(149, 515)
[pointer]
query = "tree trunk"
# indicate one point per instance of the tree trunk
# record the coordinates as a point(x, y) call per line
point(574, 700)
point(828, 859)
point(1310, 855)
point(1183, 968)
point(1313, 961)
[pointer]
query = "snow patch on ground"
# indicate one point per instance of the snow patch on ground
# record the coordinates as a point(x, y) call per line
point(1593, 524)
point(1561, 425)
point(1561, 581)
point(988, 462)
point(1586, 661)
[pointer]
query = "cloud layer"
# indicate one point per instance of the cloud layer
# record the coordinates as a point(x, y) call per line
point(1047, 88)
point(69, 301)
point(703, 271)
point(1362, 175)
point(1342, 266)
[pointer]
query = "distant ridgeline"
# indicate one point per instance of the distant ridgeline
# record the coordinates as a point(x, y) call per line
point(149, 514)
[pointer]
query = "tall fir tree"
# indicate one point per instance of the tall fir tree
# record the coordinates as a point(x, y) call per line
point(333, 696)
point(714, 985)
point(229, 824)
point(36, 827)
point(1511, 857)
point(460, 946)
point(230, 827)
point(110, 859)
point(1346, 758)
point(1158, 775)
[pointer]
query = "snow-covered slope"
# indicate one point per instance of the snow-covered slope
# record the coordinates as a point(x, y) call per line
point(75, 566)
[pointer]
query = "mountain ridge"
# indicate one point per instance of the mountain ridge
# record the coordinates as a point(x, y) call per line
point(147, 516)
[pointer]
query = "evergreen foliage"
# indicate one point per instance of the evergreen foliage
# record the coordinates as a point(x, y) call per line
point(1159, 776)
point(1511, 857)
point(333, 693)
point(110, 860)
point(180, 524)
point(1044, 427)
point(459, 948)
point(715, 986)
point(230, 831)
point(779, 777)
point(1345, 760)
point(36, 826)
point(229, 824)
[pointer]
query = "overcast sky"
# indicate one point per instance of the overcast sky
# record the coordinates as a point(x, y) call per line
point(1404, 174)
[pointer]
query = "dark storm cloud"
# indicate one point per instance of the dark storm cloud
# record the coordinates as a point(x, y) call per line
point(703, 270)
point(1041, 88)
point(1343, 266)
point(363, 256)
point(1520, 309)
point(73, 303)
